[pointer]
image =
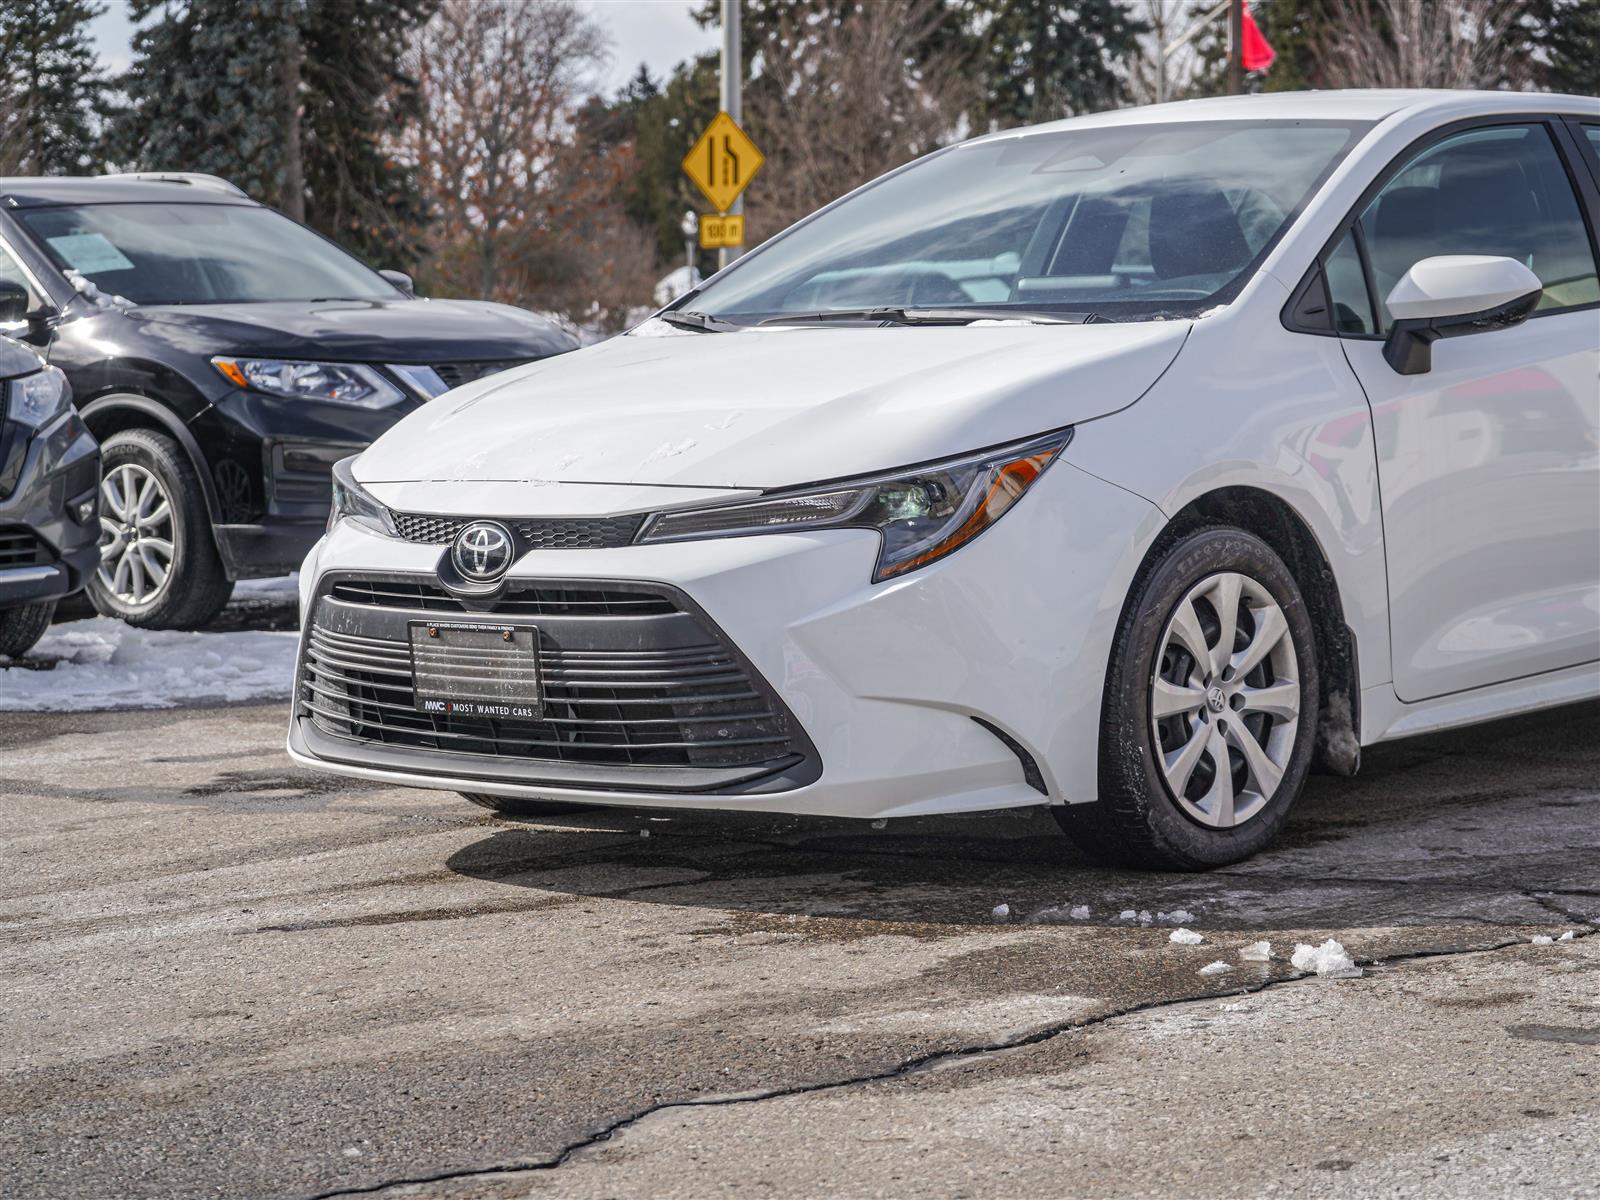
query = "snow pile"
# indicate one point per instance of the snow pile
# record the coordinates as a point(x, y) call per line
point(1328, 959)
point(1079, 912)
point(1216, 968)
point(1185, 937)
point(1002, 912)
point(102, 664)
point(1256, 952)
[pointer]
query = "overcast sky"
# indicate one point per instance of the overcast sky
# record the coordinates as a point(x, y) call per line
point(658, 32)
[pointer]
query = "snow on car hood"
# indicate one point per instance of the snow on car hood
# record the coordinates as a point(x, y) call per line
point(771, 408)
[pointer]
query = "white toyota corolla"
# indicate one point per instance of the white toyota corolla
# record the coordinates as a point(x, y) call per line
point(1125, 465)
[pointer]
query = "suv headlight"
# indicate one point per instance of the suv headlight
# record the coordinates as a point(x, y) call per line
point(331, 383)
point(352, 502)
point(922, 513)
point(37, 399)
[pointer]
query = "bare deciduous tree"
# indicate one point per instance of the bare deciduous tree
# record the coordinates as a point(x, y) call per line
point(499, 83)
point(1423, 43)
point(844, 93)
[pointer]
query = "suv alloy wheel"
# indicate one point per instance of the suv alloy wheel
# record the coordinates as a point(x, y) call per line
point(159, 568)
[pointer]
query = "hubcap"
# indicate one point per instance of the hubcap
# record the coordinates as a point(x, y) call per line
point(136, 534)
point(1225, 700)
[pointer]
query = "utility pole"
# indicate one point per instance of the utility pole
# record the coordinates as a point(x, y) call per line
point(732, 90)
point(1236, 47)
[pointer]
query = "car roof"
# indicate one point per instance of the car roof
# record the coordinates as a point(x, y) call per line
point(1357, 105)
point(40, 191)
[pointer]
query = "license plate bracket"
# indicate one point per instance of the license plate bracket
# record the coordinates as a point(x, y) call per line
point(476, 669)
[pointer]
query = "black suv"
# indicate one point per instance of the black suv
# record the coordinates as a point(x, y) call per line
point(226, 357)
point(49, 472)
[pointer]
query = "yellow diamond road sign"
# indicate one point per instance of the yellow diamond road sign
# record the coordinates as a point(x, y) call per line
point(723, 162)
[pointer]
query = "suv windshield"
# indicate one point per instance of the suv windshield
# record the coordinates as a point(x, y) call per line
point(200, 254)
point(1123, 222)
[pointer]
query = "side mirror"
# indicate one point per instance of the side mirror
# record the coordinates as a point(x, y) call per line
point(1452, 296)
point(402, 281)
point(13, 303)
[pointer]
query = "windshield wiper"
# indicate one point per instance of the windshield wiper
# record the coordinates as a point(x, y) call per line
point(932, 316)
point(702, 322)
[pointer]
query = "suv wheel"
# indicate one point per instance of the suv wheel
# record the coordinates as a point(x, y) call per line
point(1210, 710)
point(159, 568)
point(21, 628)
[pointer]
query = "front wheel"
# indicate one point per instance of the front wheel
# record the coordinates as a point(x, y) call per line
point(159, 567)
point(1210, 709)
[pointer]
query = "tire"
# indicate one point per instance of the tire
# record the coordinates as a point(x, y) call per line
point(1142, 818)
point(512, 806)
point(21, 628)
point(142, 469)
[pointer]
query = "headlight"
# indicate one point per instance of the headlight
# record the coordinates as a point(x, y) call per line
point(352, 502)
point(38, 399)
point(922, 513)
point(331, 383)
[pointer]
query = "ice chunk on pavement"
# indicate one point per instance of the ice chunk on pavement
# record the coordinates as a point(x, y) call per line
point(1256, 952)
point(1127, 914)
point(1216, 968)
point(1565, 937)
point(1178, 916)
point(880, 823)
point(1001, 912)
point(1543, 939)
point(644, 833)
point(1079, 912)
point(1328, 959)
point(1185, 937)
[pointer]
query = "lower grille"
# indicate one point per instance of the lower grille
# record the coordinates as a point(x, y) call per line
point(554, 533)
point(651, 686)
point(20, 548)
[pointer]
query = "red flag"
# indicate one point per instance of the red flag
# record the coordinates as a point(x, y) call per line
point(1258, 53)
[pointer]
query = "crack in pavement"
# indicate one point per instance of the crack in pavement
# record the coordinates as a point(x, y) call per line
point(923, 1062)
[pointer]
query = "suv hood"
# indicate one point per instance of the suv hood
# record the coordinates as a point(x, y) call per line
point(401, 330)
point(772, 408)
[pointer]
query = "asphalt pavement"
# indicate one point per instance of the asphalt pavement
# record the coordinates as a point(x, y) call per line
point(225, 976)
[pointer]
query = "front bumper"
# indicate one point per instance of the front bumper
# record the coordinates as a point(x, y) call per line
point(49, 545)
point(972, 684)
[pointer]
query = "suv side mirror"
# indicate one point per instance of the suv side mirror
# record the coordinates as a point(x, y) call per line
point(13, 303)
point(402, 281)
point(1451, 296)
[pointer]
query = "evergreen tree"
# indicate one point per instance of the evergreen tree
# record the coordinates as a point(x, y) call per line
point(50, 85)
point(1040, 60)
point(1568, 33)
point(296, 101)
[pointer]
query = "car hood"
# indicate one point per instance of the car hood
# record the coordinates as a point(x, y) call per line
point(401, 330)
point(772, 408)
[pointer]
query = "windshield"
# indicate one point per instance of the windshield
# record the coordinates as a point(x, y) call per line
point(1122, 222)
point(200, 254)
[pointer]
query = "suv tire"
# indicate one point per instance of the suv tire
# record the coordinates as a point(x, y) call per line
point(21, 628)
point(1170, 712)
point(150, 491)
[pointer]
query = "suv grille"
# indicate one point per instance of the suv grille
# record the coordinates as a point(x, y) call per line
point(628, 678)
point(19, 548)
point(456, 373)
point(563, 533)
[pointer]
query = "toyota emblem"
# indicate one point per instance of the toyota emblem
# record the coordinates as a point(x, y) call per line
point(482, 551)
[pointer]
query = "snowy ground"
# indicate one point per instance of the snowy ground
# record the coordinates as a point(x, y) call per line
point(99, 663)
